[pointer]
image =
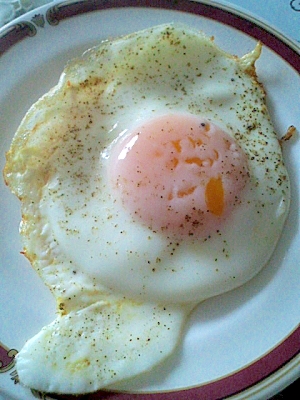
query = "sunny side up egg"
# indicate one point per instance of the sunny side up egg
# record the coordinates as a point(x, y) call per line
point(151, 179)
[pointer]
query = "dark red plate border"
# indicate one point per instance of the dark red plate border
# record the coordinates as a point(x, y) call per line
point(290, 347)
point(222, 388)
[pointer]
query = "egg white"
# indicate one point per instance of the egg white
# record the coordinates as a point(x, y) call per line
point(95, 258)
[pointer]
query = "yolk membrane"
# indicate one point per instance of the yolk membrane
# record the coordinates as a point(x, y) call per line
point(178, 174)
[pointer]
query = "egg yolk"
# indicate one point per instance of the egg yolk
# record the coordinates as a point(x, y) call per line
point(179, 174)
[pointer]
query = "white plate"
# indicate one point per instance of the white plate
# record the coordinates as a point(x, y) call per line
point(244, 344)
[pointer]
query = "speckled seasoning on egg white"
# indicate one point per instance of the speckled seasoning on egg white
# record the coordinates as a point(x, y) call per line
point(151, 179)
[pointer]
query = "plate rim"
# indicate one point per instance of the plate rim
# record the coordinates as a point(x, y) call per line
point(53, 13)
point(21, 27)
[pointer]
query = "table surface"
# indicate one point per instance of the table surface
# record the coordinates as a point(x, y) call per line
point(283, 15)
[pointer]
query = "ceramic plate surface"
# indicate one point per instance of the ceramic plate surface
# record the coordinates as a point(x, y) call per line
point(242, 345)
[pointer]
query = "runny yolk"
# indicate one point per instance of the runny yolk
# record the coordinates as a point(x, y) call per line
point(178, 174)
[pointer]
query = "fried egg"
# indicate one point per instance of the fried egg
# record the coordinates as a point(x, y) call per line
point(151, 179)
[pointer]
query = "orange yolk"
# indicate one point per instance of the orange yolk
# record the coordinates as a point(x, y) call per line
point(178, 174)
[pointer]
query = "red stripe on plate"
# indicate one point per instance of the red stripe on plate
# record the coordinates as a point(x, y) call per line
point(290, 347)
